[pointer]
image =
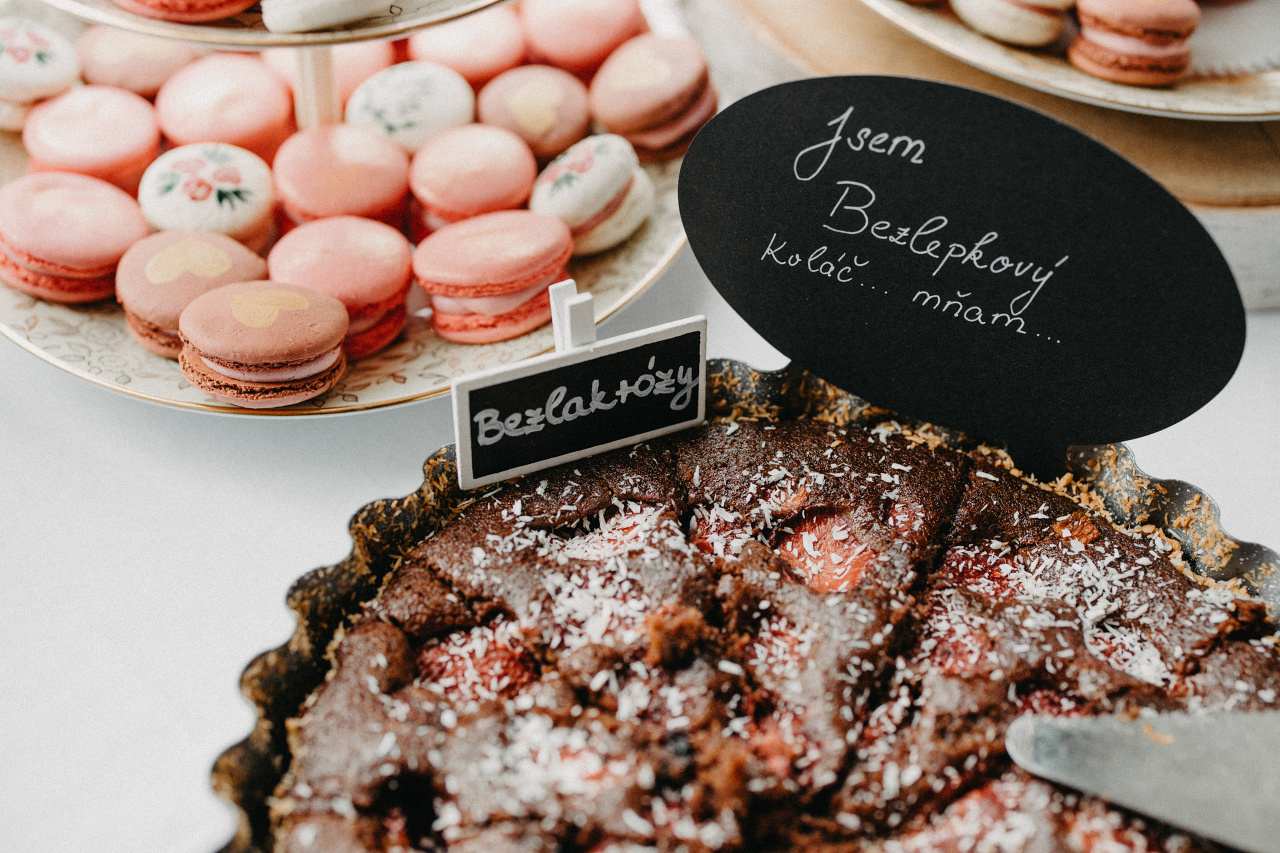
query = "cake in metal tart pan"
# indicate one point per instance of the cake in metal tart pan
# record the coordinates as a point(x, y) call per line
point(803, 626)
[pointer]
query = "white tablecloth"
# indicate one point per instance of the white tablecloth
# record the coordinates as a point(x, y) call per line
point(145, 552)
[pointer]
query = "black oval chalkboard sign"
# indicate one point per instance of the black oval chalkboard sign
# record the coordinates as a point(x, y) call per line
point(962, 259)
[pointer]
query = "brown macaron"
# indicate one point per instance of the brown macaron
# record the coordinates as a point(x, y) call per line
point(655, 92)
point(159, 276)
point(263, 344)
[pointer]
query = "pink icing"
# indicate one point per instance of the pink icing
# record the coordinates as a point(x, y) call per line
point(285, 374)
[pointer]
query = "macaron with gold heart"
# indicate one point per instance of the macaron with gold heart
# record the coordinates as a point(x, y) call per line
point(263, 344)
point(159, 276)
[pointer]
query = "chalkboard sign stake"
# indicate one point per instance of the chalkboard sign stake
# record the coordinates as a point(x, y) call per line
point(573, 316)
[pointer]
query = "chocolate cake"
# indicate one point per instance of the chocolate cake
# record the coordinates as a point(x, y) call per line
point(756, 636)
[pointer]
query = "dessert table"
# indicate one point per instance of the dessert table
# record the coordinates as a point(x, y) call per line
point(147, 551)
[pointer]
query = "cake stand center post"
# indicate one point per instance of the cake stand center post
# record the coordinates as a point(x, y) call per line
point(315, 94)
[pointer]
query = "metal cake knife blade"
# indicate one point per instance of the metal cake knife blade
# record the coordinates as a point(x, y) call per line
point(1217, 775)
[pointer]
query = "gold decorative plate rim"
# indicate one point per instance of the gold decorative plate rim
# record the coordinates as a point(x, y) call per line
point(1247, 97)
point(246, 30)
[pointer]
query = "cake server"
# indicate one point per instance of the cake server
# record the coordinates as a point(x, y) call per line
point(1217, 775)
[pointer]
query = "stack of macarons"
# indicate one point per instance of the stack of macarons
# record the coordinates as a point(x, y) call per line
point(183, 172)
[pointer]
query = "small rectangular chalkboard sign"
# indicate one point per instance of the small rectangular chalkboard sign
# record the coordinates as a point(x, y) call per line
point(566, 405)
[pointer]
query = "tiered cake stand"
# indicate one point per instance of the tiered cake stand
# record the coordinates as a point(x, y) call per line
point(92, 342)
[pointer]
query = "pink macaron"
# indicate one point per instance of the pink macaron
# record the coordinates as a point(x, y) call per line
point(102, 131)
point(161, 274)
point(62, 235)
point(543, 105)
point(341, 169)
point(263, 344)
point(479, 46)
point(227, 97)
point(364, 264)
point(1137, 42)
point(185, 11)
point(353, 63)
point(656, 92)
point(488, 275)
point(578, 35)
point(467, 171)
point(129, 60)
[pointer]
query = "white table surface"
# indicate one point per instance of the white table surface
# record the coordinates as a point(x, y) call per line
point(145, 553)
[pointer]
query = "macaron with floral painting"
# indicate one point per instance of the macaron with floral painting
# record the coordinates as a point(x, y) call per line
point(412, 102)
point(599, 189)
point(36, 62)
point(210, 186)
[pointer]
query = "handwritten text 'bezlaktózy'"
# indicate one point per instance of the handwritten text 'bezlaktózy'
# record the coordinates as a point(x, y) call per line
point(679, 382)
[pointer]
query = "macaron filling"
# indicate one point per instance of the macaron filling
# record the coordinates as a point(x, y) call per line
point(1133, 46)
point(291, 373)
point(491, 306)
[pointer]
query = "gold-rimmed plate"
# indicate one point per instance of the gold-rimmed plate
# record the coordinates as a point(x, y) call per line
point(92, 342)
point(246, 30)
point(1245, 97)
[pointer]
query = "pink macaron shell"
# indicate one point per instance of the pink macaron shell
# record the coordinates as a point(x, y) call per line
point(362, 263)
point(377, 336)
point(479, 46)
point(102, 131)
point(342, 169)
point(129, 60)
point(186, 11)
point(70, 224)
point(578, 35)
point(663, 138)
point(227, 97)
point(472, 169)
point(159, 275)
point(647, 82)
point(483, 329)
point(492, 254)
point(353, 63)
point(543, 105)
